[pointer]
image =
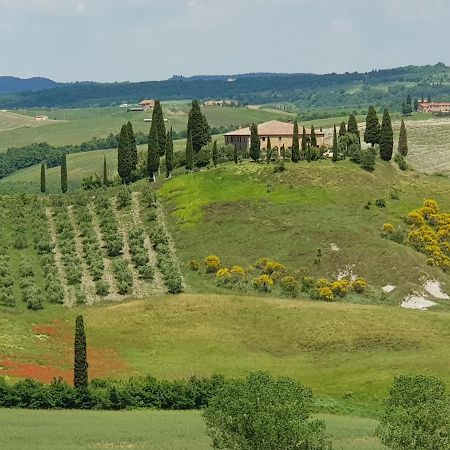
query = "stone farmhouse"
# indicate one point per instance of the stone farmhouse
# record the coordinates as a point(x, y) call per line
point(434, 107)
point(147, 104)
point(280, 134)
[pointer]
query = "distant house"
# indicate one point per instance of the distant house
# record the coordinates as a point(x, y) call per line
point(218, 103)
point(147, 104)
point(434, 107)
point(280, 133)
point(40, 118)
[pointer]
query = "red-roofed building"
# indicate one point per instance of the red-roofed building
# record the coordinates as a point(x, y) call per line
point(434, 107)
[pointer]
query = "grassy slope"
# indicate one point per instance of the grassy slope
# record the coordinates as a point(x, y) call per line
point(155, 430)
point(245, 212)
point(74, 126)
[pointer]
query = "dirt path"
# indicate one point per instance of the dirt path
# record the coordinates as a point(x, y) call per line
point(69, 300)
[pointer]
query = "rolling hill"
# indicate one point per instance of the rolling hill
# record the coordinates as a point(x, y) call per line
point(10, 85)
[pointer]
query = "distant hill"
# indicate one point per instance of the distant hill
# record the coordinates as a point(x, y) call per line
point(9, 85)
point(388, 87)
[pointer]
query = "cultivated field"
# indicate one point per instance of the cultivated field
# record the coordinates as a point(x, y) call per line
point(152, 430)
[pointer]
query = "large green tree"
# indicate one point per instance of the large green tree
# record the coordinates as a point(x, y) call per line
point(255, 143)
point(372, 132)
point(43, 180)
point(335, 145)
point(313, 137)
point(123, 155)
point(64, 185)
point(386, 137)
point(80, 367)
point(304, 144)
point(189, 153)
point(158, 121)
point(295, 144)
point(264, 413)
point(133, 154)
point(403, 140)
point(342, 129)
point(153, 153)
point(169, 154)
point(352, 126)
point(198, 127)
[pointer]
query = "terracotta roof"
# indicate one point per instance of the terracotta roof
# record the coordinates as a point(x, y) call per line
point(272, 128)
point(431, 104)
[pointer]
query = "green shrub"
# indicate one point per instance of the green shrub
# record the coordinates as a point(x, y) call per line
point(102, 288)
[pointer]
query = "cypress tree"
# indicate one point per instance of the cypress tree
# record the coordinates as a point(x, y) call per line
point(215, 154)
point(372, 132)
point(295, 144)
point(335, 145)
point(304, 143)
point(313, 137)
point(80, 367)
point(352, 126)
point(133, 154)
point(386, 137)
point(198, 127)
point(153, 153)
point(189, 153)
point(169, 153)
point(64, 173)
point(123, 154)
point(43, 181)
point(403, 140)
point(158, 121)
point(235, 154)
point(342, 130)
point(268, 150)
point(105, 171)
point(255, 143)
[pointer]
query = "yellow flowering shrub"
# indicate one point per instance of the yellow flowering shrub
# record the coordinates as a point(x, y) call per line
point(223, 276)
point(261, 263)
point(273, 266)
point(263, 283)
point(326, 294)
point(322, 282)
point(431, 205)
point(238, 272)
point(359, 285)
point(193, 265)
point(212, 264)
point(388, 228)
point(289, 285)
point(340, 288)
point(415, 218)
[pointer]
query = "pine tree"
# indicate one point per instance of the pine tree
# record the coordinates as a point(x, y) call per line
point(169, 154)
point(215, 154)
point(43, 181)
point(304, 143)
point(80, 367)
point(402, 140)
point(313, 137)
point(123, 155)
point(158, 121)
point(235, 154)
point(352, 126)
point(372, 133)
point(153, 153)
point(255, 143)
point(105, 172)
point(295, 144)
point(189, 153)
point(133, 154)
point(64, 173)
point(386, 137)
point(198, 127)
point(335, 145)
point(342, 130)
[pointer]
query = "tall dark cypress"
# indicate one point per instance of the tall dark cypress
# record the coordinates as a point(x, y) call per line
point(105, 172)
point(123, 155)
point(295, 144)
point(313, 137)
point(169, 153)
point(268, 150)
point(215, 154)
point(235, 154)
point(372, 132)
point(153, 153)
point(335, 145)
point(43, 180)
point(304, 143)
point(64, 174)
point(133, 154)
point(403, 140)
point(198, 127)
point(386, 137)
point(352, 126)
point(80, 367)
point(342, 130)
point(189, 153)
point(158, 120)
point(255, 143)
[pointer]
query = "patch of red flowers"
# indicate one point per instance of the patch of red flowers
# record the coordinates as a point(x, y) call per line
point(45, 374)
point(44, 329)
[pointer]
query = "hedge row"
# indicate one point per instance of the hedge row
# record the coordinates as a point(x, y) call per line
point(6, 282)
point(108, 225)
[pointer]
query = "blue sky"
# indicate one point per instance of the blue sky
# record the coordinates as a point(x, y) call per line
point(112, 40)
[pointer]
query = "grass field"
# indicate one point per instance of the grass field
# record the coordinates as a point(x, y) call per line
point(155, 430)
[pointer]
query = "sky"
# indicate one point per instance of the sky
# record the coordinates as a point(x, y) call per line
point(137, 40)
